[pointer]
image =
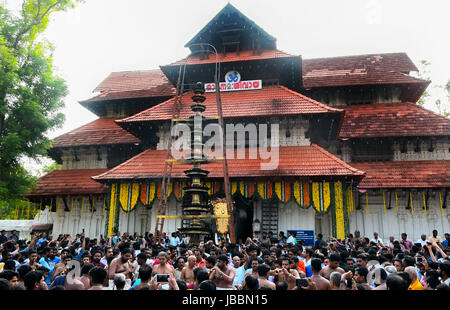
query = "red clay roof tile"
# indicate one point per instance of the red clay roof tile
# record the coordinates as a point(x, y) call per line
point(102, 131)
point(271, 100)
point(389, 68)
point(69, 182)
point(231, 57)
point(392, 119)
point(294, 161)
point(404, 174)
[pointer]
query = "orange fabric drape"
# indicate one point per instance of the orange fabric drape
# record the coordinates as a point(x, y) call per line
point(251, 188)
point(306, 201)
point(287, 191)
point(269, 190)
point(144, 193)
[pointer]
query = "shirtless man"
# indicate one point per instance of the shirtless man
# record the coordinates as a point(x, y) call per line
point(33, 257)
point(288, 274)
point(61, 269)
point(163, 267)
point(320, 282)
point(332, 266)
point(222, 275)
point(123, 265)
point(263, 275)
point(187, 274)
point(254, 270)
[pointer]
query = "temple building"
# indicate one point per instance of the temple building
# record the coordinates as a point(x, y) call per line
point(355, 152)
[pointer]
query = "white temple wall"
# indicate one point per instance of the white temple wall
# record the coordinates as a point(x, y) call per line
point(87, 159)
point(441, 151)
point(393, 224)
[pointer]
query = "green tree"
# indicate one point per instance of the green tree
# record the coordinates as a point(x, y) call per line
point(442, 107)
point(31, 94)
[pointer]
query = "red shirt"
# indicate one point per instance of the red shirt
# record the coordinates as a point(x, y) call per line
point(301, 266)
point(202, 264)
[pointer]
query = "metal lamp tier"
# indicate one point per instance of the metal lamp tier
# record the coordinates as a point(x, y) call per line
point(196, 199)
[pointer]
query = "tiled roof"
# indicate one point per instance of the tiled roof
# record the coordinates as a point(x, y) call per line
point(69, 182)
point(391, 68)
point(232, 56)
point(133, 84)
point(294, 161)
point(271, 100)
point(404, 174)
point(102, 131)
point(392, 120)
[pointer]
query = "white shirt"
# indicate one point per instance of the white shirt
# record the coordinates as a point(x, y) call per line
point(422, 242)
point(290, 240)
point(377, 240)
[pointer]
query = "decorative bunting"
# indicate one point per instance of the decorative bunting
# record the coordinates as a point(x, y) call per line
point(104, 205)
point(261, 190)
point(123, 195)
point(384, 202)
point(251, 189)
point(442, 207)
point(339, 208)
point(412, 207)
point(298, 193)
point(305, 188)
point(71, 206)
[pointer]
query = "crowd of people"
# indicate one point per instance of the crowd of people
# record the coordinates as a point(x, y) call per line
point(274, 262)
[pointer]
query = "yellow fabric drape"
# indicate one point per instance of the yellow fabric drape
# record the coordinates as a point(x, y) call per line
point(412, 207)
point(112, 209)
point(260, 188)
point(316, 195)
point(82, 205)
point(367, 202)
point(28, 210)
point(384, 202)
point(297, 193)
point(278, 190)
point(71, 206)
point(340, 225)
point(327, 196)
point(396, 201)
point(440, 200)
point(93, 205)
point(424, 203)
point(242, 188)
point(233, 188)
point(123, 195)
point(58, 205)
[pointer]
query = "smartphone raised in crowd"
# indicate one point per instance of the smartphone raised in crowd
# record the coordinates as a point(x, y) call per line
point(162, 278)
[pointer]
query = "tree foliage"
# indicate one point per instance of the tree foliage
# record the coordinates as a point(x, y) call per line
point(441, 104)
point(31, 94)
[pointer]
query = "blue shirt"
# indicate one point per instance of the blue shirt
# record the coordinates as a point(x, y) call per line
point(445, 243)
point(308, 271)
point(50, 264)
point(40, 241)
point(240, 274)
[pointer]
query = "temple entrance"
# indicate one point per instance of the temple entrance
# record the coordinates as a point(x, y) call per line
point(243, 219)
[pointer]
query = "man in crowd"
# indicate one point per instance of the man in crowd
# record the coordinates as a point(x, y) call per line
point(122, 264)
point(187, 273)
point(222, 275)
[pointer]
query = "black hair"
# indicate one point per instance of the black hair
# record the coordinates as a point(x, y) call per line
point(405, 277)
point(145, 272)
point(223, 258)
point(281, 285)
point(31, 278)
point(432, 278)
point(316, 264)
point(182, 285)
point(335, 257)
point(23, 270)
point(8, 275)
point(207, 285)
point(86, 268)
point(263, 269)
point(17, 288)
point(362, 271)
point(43, 269)
point(98, 275)
point(445, 267)
point(251, 281)
point(10, 264)
point(396, 283)
point(362, 256)
point(201, 276)
point(4, 285)
point(142, 256)
point(408, 261)
point(211, 260)
point(442, 287)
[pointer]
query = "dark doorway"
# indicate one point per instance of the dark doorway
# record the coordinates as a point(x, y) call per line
point(243, 218)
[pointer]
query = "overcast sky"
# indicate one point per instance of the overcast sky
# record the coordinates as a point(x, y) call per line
point(102, 36)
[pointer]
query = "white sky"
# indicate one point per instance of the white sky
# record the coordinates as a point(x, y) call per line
point(102, 36)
